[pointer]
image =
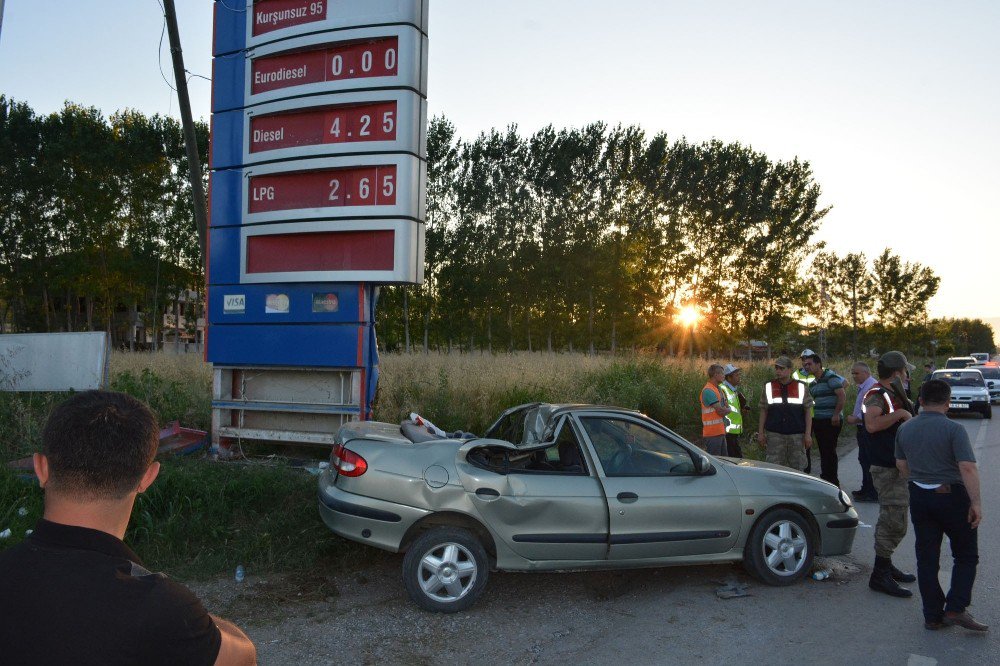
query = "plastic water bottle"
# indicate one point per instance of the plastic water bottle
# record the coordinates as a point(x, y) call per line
point(823, 574)
point(241, 573)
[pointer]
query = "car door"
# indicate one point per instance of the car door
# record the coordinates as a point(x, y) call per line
point(545, 503)
point(660, 507)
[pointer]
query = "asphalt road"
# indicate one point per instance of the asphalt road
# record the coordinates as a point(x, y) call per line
point(653, 616)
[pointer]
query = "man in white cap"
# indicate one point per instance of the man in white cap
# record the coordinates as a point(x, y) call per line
point(803, 375)
point(738, 404)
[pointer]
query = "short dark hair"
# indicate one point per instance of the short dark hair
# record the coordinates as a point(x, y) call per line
point(814, 358)
point(935, 392)
point(99, 444)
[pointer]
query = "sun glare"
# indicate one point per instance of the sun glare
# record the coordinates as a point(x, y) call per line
point(688, 315)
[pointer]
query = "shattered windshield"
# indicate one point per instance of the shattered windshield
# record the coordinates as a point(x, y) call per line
point(526, 425)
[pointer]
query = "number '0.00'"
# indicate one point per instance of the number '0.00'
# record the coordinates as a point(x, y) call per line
point(372, 59)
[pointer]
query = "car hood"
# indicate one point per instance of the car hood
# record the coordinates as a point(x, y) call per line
point(755, 477)
point(968, 391)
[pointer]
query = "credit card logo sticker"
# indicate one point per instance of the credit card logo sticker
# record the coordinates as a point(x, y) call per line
point(234, 304)
point(325, 303)
point(276, 304)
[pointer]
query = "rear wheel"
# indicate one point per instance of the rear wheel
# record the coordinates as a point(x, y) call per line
point(445, 569)
point(780, 548)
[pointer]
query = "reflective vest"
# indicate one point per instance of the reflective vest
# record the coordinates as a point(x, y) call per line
point(785, 414)
point(803, 376)
point(882, 444)
point(734, 419)
point(712, 425)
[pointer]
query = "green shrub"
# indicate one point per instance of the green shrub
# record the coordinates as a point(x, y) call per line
point(170, 399)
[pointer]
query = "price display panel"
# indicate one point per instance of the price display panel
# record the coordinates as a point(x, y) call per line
point(241, 24)
point(386, 121)
point(332, 251)
point(365, 185)
point(390, 57)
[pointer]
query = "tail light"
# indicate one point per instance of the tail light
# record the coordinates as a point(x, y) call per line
point(347, 462)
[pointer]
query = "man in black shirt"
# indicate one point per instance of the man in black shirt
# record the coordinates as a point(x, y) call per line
point(73, 592)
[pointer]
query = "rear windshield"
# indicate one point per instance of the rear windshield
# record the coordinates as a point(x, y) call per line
point(959, 362)
point(960, 378)
point(990, 373)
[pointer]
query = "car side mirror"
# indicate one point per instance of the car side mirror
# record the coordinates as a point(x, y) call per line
point(990, 384)
point(702, 465)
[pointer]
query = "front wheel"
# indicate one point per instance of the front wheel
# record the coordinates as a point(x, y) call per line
point(780, 548)
point(988, 412)
point(445, 569)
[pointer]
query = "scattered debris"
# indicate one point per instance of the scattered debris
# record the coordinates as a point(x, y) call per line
point(23, 511)
point(822, 574)
point(731, 588)
point(241, 573)
point(5, 534)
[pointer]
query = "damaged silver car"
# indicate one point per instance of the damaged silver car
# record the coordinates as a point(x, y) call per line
point(570, 487)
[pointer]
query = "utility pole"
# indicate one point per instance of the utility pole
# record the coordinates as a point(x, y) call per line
point(190, 141)
point(1, 16)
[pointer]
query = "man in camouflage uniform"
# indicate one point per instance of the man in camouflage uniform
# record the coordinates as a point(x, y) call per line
point(885, 407)
point(784, 428)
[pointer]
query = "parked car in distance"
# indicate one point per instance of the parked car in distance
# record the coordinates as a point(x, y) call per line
point(959, 362)
point(991, 373)
point(981, 357)
point(969, 392)
point(570, 487)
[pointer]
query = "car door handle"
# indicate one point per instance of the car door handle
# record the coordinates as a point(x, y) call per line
point(487, 493)
point(627, 498)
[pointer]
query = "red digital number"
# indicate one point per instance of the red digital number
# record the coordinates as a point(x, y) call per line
point(331, 188)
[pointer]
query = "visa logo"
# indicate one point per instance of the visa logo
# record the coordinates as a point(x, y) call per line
point(234, 303)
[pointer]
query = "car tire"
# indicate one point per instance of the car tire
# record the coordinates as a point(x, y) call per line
point(445, 569)
point(780, 531)
point(988, 412)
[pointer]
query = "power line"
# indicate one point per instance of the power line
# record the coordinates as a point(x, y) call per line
point(159, 50)
point(232, 9)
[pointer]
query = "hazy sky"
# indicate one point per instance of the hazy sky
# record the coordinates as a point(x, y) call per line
point(895, 104)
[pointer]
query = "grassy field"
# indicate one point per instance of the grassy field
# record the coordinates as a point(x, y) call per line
point(200, 520)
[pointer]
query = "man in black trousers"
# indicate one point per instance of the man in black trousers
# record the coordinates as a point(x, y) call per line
point(936, 456)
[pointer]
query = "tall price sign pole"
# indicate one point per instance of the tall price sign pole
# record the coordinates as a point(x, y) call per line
point(317, 197)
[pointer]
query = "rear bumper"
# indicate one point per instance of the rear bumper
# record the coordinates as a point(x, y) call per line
point(364, 519)
point(837, 532)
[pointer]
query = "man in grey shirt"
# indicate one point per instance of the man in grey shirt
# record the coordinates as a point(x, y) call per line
point(936, 455)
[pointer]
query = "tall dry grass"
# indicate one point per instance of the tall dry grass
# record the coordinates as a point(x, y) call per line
point(456, 391)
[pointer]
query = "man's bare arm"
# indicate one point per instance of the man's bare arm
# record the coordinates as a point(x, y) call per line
point(876, 421)
point(904, 468)
point(839, 409)
point(970, 477)
point(236, 649)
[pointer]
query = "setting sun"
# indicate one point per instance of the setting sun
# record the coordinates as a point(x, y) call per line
point(688, 315)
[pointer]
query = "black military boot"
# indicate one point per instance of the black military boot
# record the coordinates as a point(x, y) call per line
point(900, 576)
point(882, 581)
